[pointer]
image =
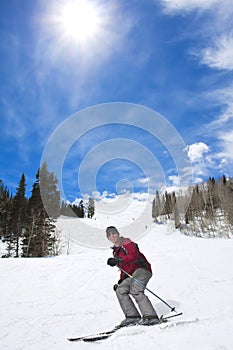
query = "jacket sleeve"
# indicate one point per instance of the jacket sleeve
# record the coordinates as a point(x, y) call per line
point(131, 253)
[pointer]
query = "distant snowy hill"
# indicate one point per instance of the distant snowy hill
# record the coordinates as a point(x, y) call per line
point(45, 300)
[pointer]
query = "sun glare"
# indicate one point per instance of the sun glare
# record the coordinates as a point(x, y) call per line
point(80, 28)
point(80, 20)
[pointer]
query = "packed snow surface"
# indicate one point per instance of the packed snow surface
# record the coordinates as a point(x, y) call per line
point(45, 300)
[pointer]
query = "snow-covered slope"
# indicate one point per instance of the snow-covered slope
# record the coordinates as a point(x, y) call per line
point(44, 301)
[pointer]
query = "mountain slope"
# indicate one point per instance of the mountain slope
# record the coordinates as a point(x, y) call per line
point(44, 301)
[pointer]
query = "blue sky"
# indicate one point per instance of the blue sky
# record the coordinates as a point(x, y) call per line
point(171, 56)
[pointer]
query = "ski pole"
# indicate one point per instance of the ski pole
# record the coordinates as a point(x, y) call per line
point(142, 285)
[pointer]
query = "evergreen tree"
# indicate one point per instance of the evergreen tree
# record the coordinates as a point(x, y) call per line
point(73, 210)
point(68, 209)
point(167, 209)
point(49, 193)
point(17, 219)
point(81, 211)
point(63, 210)
point(224, 180)
point(77, 210)
point(156, 206)
point(175, 210)
point(38, 240)
point(212, 197)
point(90, 208)
point(229, 200)
point(153, 210)
point(5, 204)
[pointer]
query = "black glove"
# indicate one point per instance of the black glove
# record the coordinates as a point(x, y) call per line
point(117, 285)
point(113, 261)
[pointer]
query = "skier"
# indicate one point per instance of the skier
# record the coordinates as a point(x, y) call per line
point(126, 255)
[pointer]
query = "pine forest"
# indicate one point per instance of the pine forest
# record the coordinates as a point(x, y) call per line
point(27, 225)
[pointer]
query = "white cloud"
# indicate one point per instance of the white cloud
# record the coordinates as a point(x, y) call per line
point(213, 23)
point(204, 161)
point(105, 195)
point(220, 128)
point(144, 180)
point(110, 197)
point(174, 6)
point(141, 197)
point(175, 180)
point(196, 151)
point(226, 139)
point(215, 29)
point(222, 99)
point(220, 55)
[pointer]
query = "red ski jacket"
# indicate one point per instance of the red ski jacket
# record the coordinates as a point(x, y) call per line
point(131, 257)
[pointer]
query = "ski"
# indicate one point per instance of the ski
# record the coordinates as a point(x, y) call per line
point(97, 336)
point(107, 334)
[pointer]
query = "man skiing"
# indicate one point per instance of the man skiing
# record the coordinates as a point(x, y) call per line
point(127, 256)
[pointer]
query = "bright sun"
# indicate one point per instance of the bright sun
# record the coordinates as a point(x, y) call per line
point(80, 20)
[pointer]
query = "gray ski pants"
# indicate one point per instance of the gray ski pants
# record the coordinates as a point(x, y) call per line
point(130, 287)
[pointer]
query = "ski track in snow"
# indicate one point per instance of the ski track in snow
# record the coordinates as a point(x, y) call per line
point(44, 301)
